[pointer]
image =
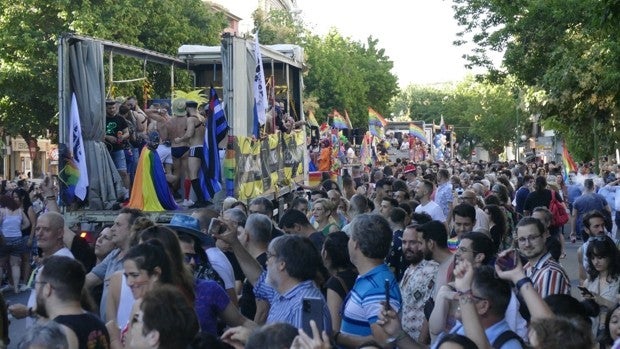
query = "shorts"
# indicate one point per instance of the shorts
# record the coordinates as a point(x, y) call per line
point(196, 151)
point(165, 154)
point(178, 152)
point(118, 157)
point(14, 246)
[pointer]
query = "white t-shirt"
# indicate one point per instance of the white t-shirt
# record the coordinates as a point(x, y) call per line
point(433, 210)
point(222, 266)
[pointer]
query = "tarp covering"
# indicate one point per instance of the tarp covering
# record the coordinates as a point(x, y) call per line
point(81, 68)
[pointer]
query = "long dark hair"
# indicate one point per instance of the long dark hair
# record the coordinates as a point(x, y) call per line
point(603, 246)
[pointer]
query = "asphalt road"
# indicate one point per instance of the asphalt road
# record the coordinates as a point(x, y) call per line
point(17, 327)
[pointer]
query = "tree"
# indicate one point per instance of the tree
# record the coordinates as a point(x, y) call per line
point(29, 31)
point(567, 48)
point(345, 74)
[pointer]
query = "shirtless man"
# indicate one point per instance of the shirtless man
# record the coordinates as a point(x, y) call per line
point(158, 122)
point(195, 127)
point(177, 128)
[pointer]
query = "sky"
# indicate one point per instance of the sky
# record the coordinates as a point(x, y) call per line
point(417, 35)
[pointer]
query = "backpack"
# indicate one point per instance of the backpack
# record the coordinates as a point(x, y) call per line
point(505, 337)
point(558, 210)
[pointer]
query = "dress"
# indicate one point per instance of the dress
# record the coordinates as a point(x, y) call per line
point(416, 288)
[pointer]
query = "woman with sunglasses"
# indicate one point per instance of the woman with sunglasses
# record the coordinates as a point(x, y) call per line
point(603, 282)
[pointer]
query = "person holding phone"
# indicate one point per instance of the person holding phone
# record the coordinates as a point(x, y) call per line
point(370, 241)
point(603, 282)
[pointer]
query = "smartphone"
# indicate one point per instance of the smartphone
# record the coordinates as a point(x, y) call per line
point(585, 291)
point(507, 261)
point(215, 227)
point(386, 286)
point(312, 309)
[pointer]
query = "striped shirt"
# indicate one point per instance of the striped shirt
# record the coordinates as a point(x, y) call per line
point(363, 303)
point(548, 276)
point(287, 307)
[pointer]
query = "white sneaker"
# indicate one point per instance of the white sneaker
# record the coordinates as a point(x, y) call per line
point(187, 203)
point(24, 288)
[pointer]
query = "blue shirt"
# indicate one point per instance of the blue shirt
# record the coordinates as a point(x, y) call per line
point(492, 333)
point(362, 306)
point(520, 197)
point(443, 197)
point(287, 307)
point(586, 203)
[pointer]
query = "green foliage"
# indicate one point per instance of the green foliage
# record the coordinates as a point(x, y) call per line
point(344, 74)
point(29, 31)
point(568, 49)
point(482, 113)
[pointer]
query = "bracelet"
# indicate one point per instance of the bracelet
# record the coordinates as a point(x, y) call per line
point(336, 335)
point(522, 282)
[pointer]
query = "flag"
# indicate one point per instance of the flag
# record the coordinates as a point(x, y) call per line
point(417, 132)
point(567, 161)
point(375, 118)
point(346, 118)
point(77, 146)
point(74, 174)
point(312, 120)
point(442, 126)
point(339, 121)
point(150, 190)
point(260, 93)
point(216, 127)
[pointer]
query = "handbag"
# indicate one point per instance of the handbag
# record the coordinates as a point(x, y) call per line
point(558, 210)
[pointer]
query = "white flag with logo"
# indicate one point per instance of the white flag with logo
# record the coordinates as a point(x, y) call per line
point(260, 92)
point(77, 148)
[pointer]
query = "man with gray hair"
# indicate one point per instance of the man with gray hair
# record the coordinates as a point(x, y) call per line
point(357, 205)
point(255, 238)
point(368, 246)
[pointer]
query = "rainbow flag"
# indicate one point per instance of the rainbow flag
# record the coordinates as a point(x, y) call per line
point(312, 120)
point(375, 118)
point(417, 132)
point(150, 191)
point(339, 121)
point(567, 161)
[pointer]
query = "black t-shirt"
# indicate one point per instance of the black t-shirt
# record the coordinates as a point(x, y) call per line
point(90, 331)
point(317, 239)
point(348, 277)
point(112, 126)
point(82, 251)
point(247, 301)
point(235, 264)
point(539, 198)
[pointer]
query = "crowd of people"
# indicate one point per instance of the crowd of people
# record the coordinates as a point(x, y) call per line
point(407, 255)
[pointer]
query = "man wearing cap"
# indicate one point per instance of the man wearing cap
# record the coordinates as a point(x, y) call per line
point(116, 134)
point(195, 133)
point(180, 145)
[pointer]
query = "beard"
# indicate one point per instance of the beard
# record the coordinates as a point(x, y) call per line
point(413, 258)
point(428, 255)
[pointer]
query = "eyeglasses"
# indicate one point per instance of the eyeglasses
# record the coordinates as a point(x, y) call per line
point(529, 239)
point(190, 256)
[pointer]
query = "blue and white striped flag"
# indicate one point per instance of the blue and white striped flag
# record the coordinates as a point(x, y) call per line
point(216, 128)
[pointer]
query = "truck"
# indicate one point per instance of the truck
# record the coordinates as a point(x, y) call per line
point(268, 166)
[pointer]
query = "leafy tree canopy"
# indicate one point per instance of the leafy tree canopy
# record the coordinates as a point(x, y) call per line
point(29, 31)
